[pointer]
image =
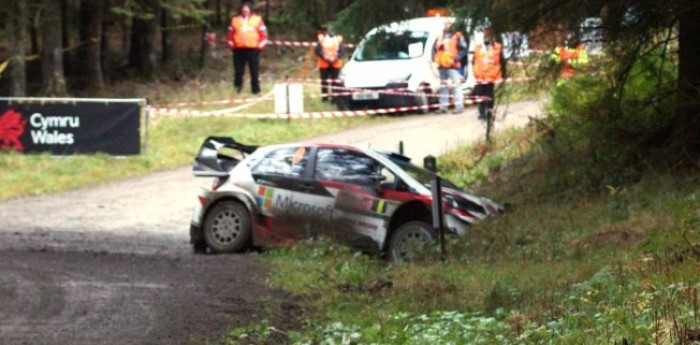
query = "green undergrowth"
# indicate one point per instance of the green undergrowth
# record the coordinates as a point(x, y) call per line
point(599, 244)
point(608, 267)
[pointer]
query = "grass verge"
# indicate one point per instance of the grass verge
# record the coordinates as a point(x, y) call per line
point(616, 266)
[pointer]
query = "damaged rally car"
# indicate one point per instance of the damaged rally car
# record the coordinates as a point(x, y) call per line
point(269, 195)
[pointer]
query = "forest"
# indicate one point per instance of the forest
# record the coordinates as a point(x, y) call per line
point(79, 48)
point(599, 243)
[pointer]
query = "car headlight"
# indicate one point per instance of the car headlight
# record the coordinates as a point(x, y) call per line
point(450, 201)
point(464, 205)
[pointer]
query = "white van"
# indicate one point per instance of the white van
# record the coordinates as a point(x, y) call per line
point(395, 57)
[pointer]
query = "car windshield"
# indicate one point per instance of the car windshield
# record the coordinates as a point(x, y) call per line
point(392, 45)
point(424, 176)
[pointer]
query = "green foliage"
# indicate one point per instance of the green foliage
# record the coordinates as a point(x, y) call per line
point(179, 9)
point(604, 133)
point(362, 15)
point(544, 274)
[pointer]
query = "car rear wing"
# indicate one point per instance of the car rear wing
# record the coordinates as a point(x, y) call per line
point(211, 162)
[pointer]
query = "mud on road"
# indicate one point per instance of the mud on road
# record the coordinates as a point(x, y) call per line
point(111, 264)
point(50, 297)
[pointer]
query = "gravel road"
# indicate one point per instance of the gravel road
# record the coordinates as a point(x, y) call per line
point(111, 264)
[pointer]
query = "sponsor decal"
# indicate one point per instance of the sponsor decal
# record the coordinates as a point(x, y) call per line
point(348, 201)
point(70, 126)
point(51, 129)
point(367, 225)
point(12, 127)
point(298, 207)
point(265, 195)
point(379, 206)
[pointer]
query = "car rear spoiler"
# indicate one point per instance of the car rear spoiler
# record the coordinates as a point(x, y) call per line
point(210, 162)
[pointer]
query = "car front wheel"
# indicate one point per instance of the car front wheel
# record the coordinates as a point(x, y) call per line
point(410, 241)
point(227, 227)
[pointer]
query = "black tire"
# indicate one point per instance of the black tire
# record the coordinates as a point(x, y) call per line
point(227, 227)
point(489, 125)
point(422, 101)
point(410, 241)
point(199, 247)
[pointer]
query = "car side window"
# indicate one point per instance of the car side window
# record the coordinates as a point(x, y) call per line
point(287, 161)
point(338, 164)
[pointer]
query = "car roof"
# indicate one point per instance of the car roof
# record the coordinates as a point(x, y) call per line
point(389, 159)
point(415, 24)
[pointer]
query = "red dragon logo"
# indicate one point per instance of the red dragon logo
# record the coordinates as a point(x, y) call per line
point(11, 128)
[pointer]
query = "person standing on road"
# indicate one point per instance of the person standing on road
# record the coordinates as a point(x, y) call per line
point(489, 66)
point(450, 49)
point(329, 50)
point(247, 36)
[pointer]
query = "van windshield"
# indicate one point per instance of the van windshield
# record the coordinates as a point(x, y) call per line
point(386, 45)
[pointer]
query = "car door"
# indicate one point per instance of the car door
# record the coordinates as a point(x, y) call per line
point(353, 179)
point(276, 177)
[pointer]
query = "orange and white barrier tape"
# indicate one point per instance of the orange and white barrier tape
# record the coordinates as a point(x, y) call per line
point(310, 115)
point(301, 44)
point(508, 80)
point(3, 65)
point(336, 91)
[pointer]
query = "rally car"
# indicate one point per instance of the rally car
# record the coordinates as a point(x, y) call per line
point(270, 195)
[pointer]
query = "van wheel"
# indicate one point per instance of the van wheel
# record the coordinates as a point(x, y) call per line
point(342, 103)
point(422, 101)
point(410, 241)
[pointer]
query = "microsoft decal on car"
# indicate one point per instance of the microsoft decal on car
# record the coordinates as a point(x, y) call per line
point(265, 196)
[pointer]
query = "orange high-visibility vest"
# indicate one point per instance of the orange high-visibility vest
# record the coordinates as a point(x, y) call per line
point(445, 58)
point(246, 33)
point(487, 63)
point(330, 45)
point(568, 57)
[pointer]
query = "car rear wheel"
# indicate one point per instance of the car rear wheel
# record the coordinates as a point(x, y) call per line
point(227, 227)
point(410, 241)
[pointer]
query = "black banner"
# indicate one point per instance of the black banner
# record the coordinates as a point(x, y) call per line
point(64, 126)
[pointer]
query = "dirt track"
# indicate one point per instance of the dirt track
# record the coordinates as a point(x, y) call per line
point(110, 264)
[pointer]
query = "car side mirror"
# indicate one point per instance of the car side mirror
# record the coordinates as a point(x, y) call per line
point(377, 178)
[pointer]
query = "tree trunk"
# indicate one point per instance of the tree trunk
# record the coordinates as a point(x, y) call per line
point(166, 37)
point(688, 119)
point(217, 13)
point(229, 13)
point(64, 20)
point(34, 32)
point(17, 20)
point(142, 54)
point(104, 39)
point(53, 78)
point(91, 18)
point(206, 27)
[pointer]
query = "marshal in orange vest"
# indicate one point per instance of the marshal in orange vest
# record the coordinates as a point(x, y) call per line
point(487, 62)
point(247, 32)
